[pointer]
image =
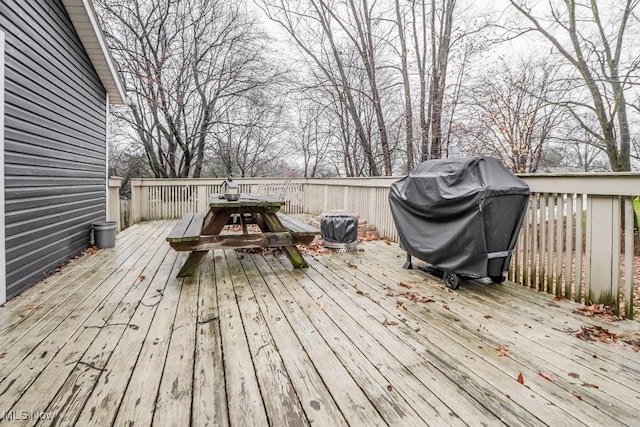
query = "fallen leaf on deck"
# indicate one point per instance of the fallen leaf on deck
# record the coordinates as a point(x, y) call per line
point(387, 242)
point(573, 375)
point(599, 310)
point(400, 304)
point(487, 316)
point(546, 376)
point(445, 306)
point(589, 385)
point(558, 298)
point(359, 292)
point(632, 338)
point(2, 355)
point(404, 285)
point(596, 333)
point(390, 387)
point(352, 265)
point(502, 351)
point(142, 278)
point(520, 378)
point(390, 323)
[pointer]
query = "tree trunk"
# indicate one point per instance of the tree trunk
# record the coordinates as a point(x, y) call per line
point(404, 69)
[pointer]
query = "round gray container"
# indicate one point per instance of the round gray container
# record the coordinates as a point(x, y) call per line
point(104, 234)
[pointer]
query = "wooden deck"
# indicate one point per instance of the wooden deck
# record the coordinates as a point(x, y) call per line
point(116, 339)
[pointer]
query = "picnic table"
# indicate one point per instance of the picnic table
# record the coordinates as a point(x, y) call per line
point(199, 232)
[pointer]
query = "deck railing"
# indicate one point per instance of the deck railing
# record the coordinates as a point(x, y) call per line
point(577, 241)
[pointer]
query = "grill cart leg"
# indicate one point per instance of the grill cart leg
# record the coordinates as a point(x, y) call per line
point(497, 279)
point(408, 265)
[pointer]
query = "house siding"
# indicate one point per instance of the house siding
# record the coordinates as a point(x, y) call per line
point(55, 154)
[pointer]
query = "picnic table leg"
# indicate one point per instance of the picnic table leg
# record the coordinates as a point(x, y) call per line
point(190, 267)
point(273, 224)
point(213, 224)
point(257, 218)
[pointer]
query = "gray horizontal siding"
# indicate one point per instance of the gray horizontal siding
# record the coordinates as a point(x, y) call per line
point(55, 152)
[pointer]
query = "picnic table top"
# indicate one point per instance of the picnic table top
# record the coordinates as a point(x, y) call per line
point(246, 200)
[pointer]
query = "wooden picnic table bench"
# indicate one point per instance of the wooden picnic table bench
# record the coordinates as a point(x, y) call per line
point(198, 232)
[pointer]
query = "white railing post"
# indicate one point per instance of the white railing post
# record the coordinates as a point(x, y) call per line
point(114, 201)
point(136, 200)
point(603, 225)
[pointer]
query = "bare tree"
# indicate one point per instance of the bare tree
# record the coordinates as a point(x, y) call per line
point(441, 26)
point(402, 26)
point(247, 141)
point(515, 111)
point(593, 43)
point(439, 29)
point(358, 27)
point(183, 63)
point(311, 26)
point(314, 137)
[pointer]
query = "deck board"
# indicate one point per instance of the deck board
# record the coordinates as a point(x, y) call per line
point(281, 402)
point(315, 398)
point(244, 401)
point(115, 338)
point(209, 404)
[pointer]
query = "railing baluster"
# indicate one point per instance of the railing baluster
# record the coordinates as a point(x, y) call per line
point(559, 243)
point(628, 257)
point(535, 221)
point(579, 246)
point(569, 248)
point(550, 241)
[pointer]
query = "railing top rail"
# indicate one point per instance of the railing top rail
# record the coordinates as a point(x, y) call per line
point(622, 184)
point(600, 184)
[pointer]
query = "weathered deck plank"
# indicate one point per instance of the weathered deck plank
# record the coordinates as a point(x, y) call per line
point(69, 328)
point(394, 396)
point(209, 405)
point(143, 353)
point(72, 398)
point(116, 339)
point(537, 349)
point(437, 397)
point(244, 402)
point(350, 398)
point(315, 398)
point(44, 314)
point(281, 402)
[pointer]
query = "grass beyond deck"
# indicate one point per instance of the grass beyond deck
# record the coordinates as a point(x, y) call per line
point(116, 339)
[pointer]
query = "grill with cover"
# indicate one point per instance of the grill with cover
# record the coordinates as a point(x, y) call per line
point(462, 216)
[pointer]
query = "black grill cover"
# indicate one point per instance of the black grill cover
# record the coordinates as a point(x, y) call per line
point(460, 215)
point(339, 228)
